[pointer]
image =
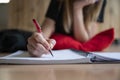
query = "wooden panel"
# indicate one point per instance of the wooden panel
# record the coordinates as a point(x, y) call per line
point(112, 17)
point(115, 16)
point(21, 13)
point(60, 72)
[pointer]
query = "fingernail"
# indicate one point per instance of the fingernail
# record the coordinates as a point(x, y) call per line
point(53, 41)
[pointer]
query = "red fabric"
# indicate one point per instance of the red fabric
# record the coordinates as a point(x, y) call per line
point(66, 42)
point(97, 43)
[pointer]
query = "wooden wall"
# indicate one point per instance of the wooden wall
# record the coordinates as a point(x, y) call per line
point(112, 17)
point(21, 13)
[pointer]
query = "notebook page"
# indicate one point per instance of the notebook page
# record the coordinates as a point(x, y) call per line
point(58, 55)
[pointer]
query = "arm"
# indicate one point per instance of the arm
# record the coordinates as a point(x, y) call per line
point(82, 33)
point(39, 44)
point(48, 27)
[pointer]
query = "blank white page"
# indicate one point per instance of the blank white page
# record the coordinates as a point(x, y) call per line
point(66, 54)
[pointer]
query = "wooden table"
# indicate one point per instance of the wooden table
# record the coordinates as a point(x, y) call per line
point(62, 72)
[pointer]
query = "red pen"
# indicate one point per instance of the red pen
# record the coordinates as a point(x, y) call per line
point(39, 30)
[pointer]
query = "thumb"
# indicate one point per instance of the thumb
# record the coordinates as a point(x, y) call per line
point(52, 43)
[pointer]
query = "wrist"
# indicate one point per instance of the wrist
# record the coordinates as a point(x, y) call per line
point(77, 9)
point(78, 12)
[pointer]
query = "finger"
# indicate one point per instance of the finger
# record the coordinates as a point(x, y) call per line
point(37, 52)
point(52, 43)
point(92, 1)
point(42, 49)
point(39, 38)
point(32, 51)
point(32, 42)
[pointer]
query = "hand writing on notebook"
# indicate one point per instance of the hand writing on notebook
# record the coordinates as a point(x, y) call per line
point(37, 44)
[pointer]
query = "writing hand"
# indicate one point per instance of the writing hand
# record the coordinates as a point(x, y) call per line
point(38, 45)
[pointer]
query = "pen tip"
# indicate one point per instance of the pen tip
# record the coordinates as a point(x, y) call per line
point(51, 53)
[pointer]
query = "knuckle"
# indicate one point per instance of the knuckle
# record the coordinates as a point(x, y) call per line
point(35, 34)
point(37, 46)
point(29, 40)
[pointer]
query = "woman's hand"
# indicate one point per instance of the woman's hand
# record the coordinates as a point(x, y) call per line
point(38, 45)
point(82, 3)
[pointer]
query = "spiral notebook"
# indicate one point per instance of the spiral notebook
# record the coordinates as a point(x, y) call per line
point(66, 56)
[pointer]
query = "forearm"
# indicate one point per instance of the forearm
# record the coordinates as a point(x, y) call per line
point(92, 29)
point(80, 32)
point(48, 27)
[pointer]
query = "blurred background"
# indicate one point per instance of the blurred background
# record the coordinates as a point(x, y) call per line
point(19, 14)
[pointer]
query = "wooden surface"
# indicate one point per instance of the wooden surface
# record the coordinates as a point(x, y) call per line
point(62, 72)
point(112, 17)
point(21, 13)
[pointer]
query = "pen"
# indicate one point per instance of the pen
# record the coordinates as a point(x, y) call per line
point(39, 30)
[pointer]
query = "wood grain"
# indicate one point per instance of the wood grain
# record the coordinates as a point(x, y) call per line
point(60, 72)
